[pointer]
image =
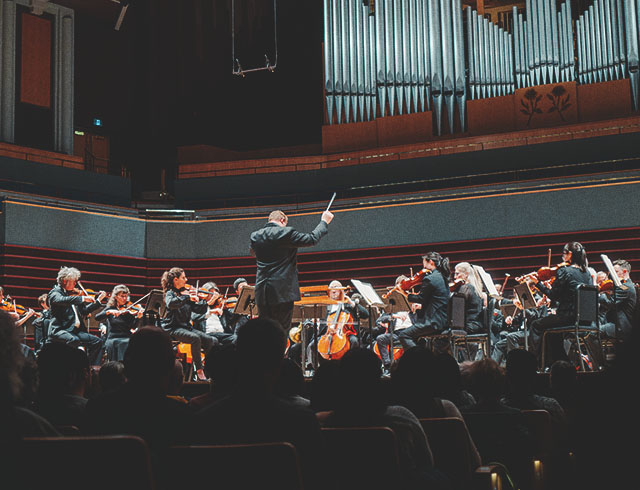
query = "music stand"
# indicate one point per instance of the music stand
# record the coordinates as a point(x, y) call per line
point(508, 310)
point(525, 296)
point(246, 302)
point(487, 281)
point(370, 296)
point(394, 303)
point(155, 308)
point(317, 304)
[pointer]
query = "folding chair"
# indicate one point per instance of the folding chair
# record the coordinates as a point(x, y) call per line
point(586, 325)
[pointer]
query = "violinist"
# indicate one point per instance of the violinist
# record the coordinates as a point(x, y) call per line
point(121, 320)
point(232, 321)
point(432, 301)
point(337, 292)
point(563, 293)
point(20, 315)
point(210, 322)
point(511, 332)
point(401, 320)
point(181, 301)
point(619, 304)
point(69, 306)
point(41, 324)
point(475, 299)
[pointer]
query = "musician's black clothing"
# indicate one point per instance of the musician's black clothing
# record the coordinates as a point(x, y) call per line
point(177, 321)
point(619, 307)
point(118, 332)
point(563, 292)
point(67, 322)
point(276, 249)
point(41, 329)
point(432, 317)
point(474, 305)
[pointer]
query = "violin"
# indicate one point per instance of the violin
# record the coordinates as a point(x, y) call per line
point(414, 280)
point(15, 308)
point(455, 285)
point(606, 286)
point(335, 343)
point(543, 274)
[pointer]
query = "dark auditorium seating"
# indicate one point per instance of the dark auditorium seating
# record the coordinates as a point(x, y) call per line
point(78, 463)
point(237, 466)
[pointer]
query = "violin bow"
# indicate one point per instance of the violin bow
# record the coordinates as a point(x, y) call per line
point(504, 283)
point(549, 259)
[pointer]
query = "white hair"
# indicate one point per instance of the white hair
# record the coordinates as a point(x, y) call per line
point(68, 273)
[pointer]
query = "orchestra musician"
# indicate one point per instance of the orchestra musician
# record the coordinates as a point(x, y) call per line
point(41, 324)
point(401, 320)
point(69, 306)
point(432, 301)
point(619, 304)
point(181, 301)
point(563, 293)
point(120, 322)
point(337, 292)
point(230, 320)
point(275, 247)
point(511, 333)
point(475, 298)
point(210, 321)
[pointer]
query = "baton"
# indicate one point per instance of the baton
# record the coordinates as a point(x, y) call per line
point(331, 202)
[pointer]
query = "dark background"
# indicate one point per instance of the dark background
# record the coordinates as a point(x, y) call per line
point(165, 79)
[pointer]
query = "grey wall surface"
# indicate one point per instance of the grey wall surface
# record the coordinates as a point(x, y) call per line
point(64, 229)
point(587, 207)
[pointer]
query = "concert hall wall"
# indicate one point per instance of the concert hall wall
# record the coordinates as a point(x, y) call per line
point(509, 231)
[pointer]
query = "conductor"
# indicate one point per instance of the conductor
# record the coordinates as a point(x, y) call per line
point(275, 247)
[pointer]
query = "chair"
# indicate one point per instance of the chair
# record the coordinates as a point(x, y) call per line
point(75, 463)
point(237, 466)
point(505, 438)
point(449, 441)
point(483, 340)
point(367, 456)
point(456, 321)
point(586, 324)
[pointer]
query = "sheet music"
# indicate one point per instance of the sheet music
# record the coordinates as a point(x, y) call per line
point(612, 272)
point(486, 280)
point(368, 293)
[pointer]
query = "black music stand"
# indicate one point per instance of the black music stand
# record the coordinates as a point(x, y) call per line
point(317, 311)
point(155, 308)
point(394, 303)
point(246, 304)
point(525, 296)
point(371, 298)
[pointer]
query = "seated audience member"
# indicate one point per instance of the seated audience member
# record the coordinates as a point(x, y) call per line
point(141, 407)
point(448, 382)
point(324, 387)
point(111, 376)
point(17, 422)
point(64, 373)
point(414, 381)
point(521, 371)
point(176, 382)
point(564, 386)
point(361, 404)
point(220, 368)
point(499, 431)
point(290, 385)
point(253, 414)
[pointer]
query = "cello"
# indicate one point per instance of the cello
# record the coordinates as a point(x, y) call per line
point(335, 343)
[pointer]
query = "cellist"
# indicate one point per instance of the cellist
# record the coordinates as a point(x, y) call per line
point(337, 292)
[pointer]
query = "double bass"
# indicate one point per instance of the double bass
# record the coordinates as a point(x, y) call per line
point(335, 343)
